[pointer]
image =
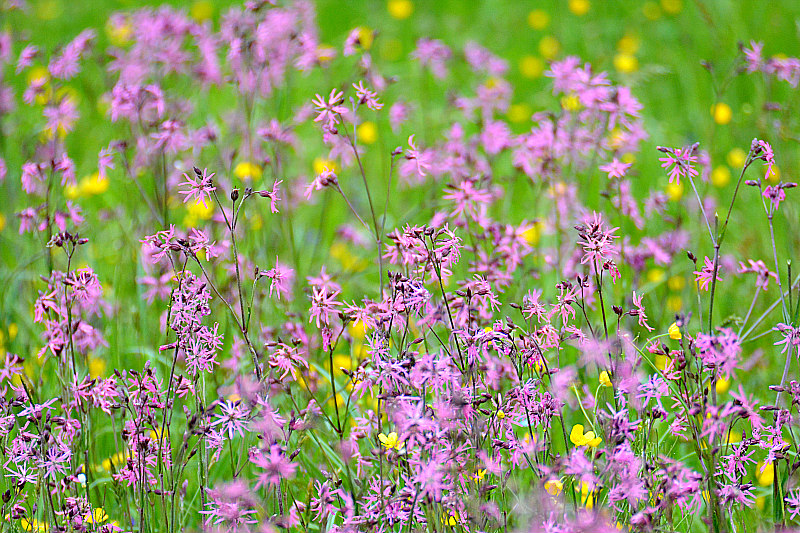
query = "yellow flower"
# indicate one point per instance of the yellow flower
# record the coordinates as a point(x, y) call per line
point(626, 63)
point(720, 176)
point(531, 67)
point(629, 44)
point(533, 234)
point(519, 112)
point(587, 496)
point(605, 380)
point(570, 102)
point(549, 47)
point(553, 486)
point(477, 477)
point(736, 158)
point(97, 367)
point(675, 191)
point(400, 9)
point(247, 170)
point(579, 438)
point(723, 385)
point(501, 414)
point(200, 210)
point(674, 303)
point(675, 331)
point(672, 6)
point(321, 165)
point(765, 473)
point(35, 525)
point(774, 175)
point(367, 132)
point(538, 19)
point(655, 275)
point(676, 283)
point(722, 113)
point(579, 7)
point(98, 516)
point(365, 37)
point(391, 441)
point(202, 10)
point(2, 221)
point(119, 31)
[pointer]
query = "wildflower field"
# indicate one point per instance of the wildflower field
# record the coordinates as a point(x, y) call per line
point(399, 266)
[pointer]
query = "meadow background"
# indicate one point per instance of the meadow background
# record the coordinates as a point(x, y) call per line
point(681, 59)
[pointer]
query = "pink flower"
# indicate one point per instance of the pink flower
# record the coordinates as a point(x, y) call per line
point(365, 96)
point(706, 273)
point(199, 187)
point(679, 162)
point(616, 168)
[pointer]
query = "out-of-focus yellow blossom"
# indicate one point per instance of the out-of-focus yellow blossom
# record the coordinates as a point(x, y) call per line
point(247, 171)
point(579, 438)
point(367, 132)
point(674, 303)
point(97, 367)
point(720, 176)
point(775, 175)
point(722, 386)
point(119, 31)
point(722, 113)
point(675, 332)
point(672, 7)
point(533, 234)
point(350, 262)
point(549, 47)
point(88, 186)
point(656, 275)
point(765, 473)
point(202, 10)
point(553, 486)
point(365, 37)
point(391, 441)
point(34, 525)
point(531, 66)
point(675, 191)
point(579, 7)
point(519, 112)
point(2, 221)
point(321, 165)
point(400, 9)
point(571, 102)
point(676, 283)
point(538, 19)
point(629, 44)
point(605, 380)
point(116, 460)
point(736, 158)
point(97, 516)
point(587, 496)
point(501, 414)
point(626, 63)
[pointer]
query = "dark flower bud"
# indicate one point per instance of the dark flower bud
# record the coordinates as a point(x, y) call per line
point(235, 194)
